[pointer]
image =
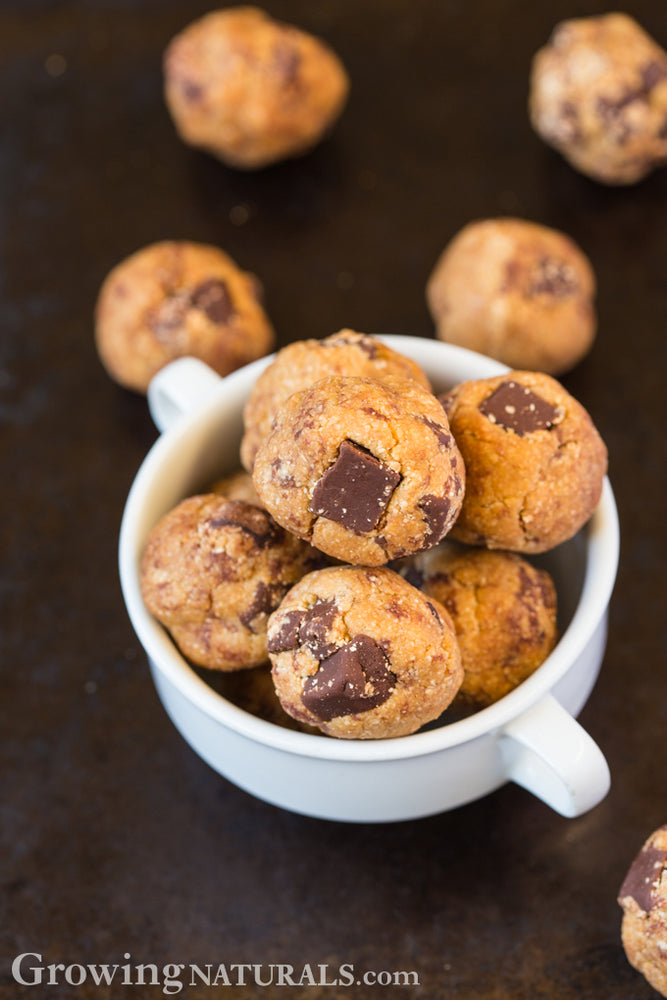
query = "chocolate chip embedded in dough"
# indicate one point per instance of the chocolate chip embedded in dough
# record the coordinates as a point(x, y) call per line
point(262, 603)
point(213, 298)
point(355, 490)
point(515, 408)
point(251, 520)
point(436, 511)
point(287, 635)
point(356, 678)
point(643, 877)
point(552, 277)
point(315, 626)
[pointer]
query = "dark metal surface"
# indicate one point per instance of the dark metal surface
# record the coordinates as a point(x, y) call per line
point(115, 838)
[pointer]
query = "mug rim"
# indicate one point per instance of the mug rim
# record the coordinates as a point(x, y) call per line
point(601, 560)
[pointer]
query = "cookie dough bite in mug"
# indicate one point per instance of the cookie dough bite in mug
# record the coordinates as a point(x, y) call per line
point(516, 291)
point(643, 898)
point(535, 462)
point(298, 365)
point(598, 94)
point(366, 470)
point(176, 298)
point(503, 610)
point(212, 571)
point(362, 654)
point(252, 90)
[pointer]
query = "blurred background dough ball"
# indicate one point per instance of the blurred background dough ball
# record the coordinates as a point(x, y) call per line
point(598, 94)
point(516, 291)
point(172, 299)
point(252, 90)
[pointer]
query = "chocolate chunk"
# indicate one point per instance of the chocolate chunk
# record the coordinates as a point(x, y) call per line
point(354, 679)
point(445, 439)
point(436, 510)
point(643, 877)
point(168, 317)
point(552, 277)
point(252, 520)
point(262, 604)
point(315, 626)
point(287, 635)
point(515, 408)
point(355, 490)
point(213, 298)
point(192, 91)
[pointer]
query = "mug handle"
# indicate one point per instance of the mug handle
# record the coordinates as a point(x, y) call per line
point(546, 751)
point(179, 388)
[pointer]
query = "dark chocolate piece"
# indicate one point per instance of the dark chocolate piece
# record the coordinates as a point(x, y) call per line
point(213, 298)
point(262, 603)
point(436, 510)
point(287, 635)
point(249, 519)
point(445, 439)
point(653, 73)
point(315, 626)
point(643, 876)
point(515, 408)
point(355, 490)
point(354, 679)
point(552, 277)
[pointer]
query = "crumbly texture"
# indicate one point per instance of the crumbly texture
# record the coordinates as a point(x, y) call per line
point(300, 364)
point(237, 486)
point(362, 654)
point(517, 291)
point(212, 571)
point(367, 471)
point(535, 462)
point(177, 298)
point(503, 610)
point(643, 898)
point(598, 94)
point(252, 90)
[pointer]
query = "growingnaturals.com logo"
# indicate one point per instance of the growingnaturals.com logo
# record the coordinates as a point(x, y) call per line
point(30, 969)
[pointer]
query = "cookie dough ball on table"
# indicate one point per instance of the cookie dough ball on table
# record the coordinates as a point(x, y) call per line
point(301, 364)
point(535, 462)
point(643, 897)
point(516, 291)
point(177, 298)
point(212, 571)
point(503, 610)
point(252, 90)
point(598, 94)
point(361, 654)
point(367, 471)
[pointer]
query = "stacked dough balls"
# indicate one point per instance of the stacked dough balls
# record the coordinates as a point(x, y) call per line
point(331, 553)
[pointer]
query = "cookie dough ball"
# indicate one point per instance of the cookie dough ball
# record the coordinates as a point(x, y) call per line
point(361, 654)
point(237, 486)
point(300, 364)
point(252, 90)
point(367, 471)
point(535, 462)
point(643, 897)
point(598, 94)
point(212, 571)
point(516, 291)
point(172, 299)
point(503, 610)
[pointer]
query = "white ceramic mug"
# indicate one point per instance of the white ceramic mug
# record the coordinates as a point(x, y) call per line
point(530, 736)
